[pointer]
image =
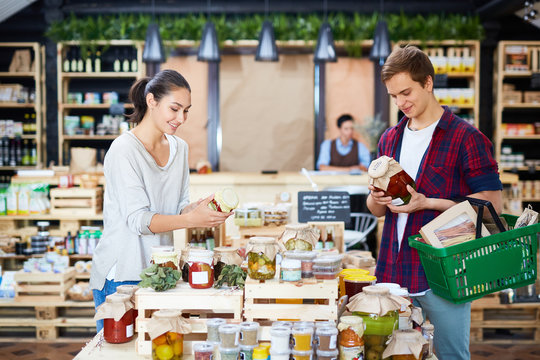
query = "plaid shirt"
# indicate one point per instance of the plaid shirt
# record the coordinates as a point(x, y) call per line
point(458, 162)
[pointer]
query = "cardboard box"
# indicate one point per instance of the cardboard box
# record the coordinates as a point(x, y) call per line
point(512, 97)
point(509, 87)
point(516, 58)
point(532, 97)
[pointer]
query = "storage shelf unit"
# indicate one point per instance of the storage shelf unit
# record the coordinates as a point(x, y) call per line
point(470, 79)
point(35, 81)
point(86, 81)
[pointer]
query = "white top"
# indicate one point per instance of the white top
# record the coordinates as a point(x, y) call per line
point(137, 189)
point(413, 147)
point(172, 153)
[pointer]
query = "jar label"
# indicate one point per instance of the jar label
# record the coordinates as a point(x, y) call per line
point(129, 330)
point(397, 202)
point(199, 278)
point(333, 342)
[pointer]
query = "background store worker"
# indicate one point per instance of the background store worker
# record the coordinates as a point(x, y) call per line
point(147, 175)
point(448, 158)
point(343, 153)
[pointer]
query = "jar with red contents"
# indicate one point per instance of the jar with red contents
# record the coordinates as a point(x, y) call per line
point(118, 331)
point(385, 174)
point(201, 269)
point(129, 290)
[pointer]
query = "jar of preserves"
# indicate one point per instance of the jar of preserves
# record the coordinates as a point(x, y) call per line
point(326, 338)
point(225, 255)
point(428, 332)
point(385, 174)
point(248, 217)
point(299, 237)
point(261, 258)
point(302, 338)
point(164, 256)
point(203, 351)
point(405, 345)
point(249, 333)
point(346, 272)
point(355, 283)
point(183, 263)
point(166, 329)
point(201, 268)
point(224, 201)
point(291, 270)
point(212, 326)
point(306, 257)
point(130, 291)
point(118, 323)
point(280, 337)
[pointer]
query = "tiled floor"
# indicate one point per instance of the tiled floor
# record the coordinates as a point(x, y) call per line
point(65, 351)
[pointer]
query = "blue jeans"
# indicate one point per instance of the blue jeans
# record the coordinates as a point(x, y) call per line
point(108, 289)
point(452, 325)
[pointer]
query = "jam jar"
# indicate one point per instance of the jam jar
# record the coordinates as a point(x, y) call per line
point(170, 344)
point(164, 256)
point(121, 331)
point(405, 345)
point(201, 269)
point(262, 257)
point(183, 263)
point(385, 174)
point(225, 255)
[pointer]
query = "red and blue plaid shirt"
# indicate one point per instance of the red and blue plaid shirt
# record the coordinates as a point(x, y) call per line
point(458, 162)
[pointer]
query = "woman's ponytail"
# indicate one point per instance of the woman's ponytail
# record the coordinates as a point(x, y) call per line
point(137, 95)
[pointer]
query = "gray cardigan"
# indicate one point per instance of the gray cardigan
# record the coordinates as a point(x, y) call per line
point(136, 189)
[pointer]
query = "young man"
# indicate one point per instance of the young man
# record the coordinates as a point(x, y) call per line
point(448, 158)
point(344, 153)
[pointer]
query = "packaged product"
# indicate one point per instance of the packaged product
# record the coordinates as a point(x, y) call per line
point(167, 329)
point(385, 174)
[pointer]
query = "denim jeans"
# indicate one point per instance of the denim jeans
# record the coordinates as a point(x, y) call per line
point(452, 325)
point(108, 289)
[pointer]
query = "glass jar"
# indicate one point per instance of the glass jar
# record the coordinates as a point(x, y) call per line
point(327, 355)
point(428, 331)
point(130, 291)
point(249, 333)
point(212, 326)
point(169, 345)
point(121, 331)
point(262, 258)
point(355, 283)
point(201, 269)
point(326, 338)
point(327, 267)
point(302, 355)
point(302, 338)
point(165, 256)
point(225, 255)
point(246, 352)
point(385, 174)
point(229, 334)
point(306, 257)
point(203, 351)
point(403, 343)
point(346, 272)
point(299, 237)
point(224, 201)
point(291, 270)
point(260, 353)
point(248, 217)
point(229, 353)
point(280, 356)
point(183, 263)
point(351, 331)
point(280, 337)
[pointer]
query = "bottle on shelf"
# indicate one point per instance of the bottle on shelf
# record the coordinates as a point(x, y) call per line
point(210, 239)
point(117, 65)
point(67, 62)
point(126, 61)
point(33, 154)
point(134, 63)
point(12, 155)
point(18, 150)
point(329, 243)
point(193, 239)
point(68, 244)
point(80, 63)
point(73, 64)
point(97, 62)
point(88, 62)
point(202, 240)
point(26, 158)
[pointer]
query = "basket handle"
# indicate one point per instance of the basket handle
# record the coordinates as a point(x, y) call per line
point(480, 203)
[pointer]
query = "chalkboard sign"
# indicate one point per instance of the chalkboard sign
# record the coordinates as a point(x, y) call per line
point(324, 206)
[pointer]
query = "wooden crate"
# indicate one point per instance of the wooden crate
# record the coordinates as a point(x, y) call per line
point(196, 304)
point(76, 201)
point(338, 231)
point(219, 236)
point(520, 322)
point(267, 301)
point(249, 231)
point(35, 286)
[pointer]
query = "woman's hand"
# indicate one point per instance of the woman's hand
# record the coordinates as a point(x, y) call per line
point(202, 216)
point(191, 206)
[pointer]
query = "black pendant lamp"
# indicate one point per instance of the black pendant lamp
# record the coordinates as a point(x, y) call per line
point(381, 42)
point(325, 51)
point(209, 49)
point(153, 47)
point(267, 49)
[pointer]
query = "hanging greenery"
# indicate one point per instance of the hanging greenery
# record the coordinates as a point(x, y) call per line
point(352, 29)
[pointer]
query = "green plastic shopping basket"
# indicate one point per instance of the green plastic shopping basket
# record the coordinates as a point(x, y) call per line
point(468, 271)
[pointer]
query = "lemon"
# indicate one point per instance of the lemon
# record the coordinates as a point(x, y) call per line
point(164, 352)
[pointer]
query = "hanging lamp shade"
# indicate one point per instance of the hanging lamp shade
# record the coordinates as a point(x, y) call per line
point(153, 48)
point(381, 43)
point(267, 49)
point(209, 50)
point(325, 50)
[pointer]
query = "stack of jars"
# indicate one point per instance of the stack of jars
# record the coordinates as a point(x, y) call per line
point(231, 340)
point(306, 262)
point(351, 338)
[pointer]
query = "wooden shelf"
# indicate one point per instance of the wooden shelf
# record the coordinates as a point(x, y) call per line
point(468, 107)
point(519, 168)
point(100, 75)
point(50, 217)
point(521, 106)
point(91, 106)
point(90, 137)
point(459, 75)
point(520, 137)
point(80, 257)
point(17, 105)
point(30, 74)
point(530, 200)
point(517, 74)
point(18, 168)
point(82, 276)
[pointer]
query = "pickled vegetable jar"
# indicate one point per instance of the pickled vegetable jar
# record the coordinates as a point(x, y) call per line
point(248, 217)
point(299, 237)
point(201, 269)
point(385, 174)
point(225, 255)
point(170, 344)
point(164, 256)
point(262, 258)
point(405, 345)
point(121, 331)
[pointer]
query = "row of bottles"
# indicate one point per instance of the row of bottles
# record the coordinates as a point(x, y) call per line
point(124, 60)
point(24, 125)
point(83, 242)
point(17, 152)
point(203, 238)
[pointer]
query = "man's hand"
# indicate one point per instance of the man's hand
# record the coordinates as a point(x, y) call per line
point(418, 202)
point(378, 197)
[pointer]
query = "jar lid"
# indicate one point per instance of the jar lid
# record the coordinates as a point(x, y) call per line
point(260, 352)
point(117, 298)
point(360, 278)
point(215, 322)
point(287, 324)
point(127, 289)
point(291, 264)
point(262, 240)
point(327, 330)
point(354, 272)
point(279, 352)
point(203, 347)
point(227, 199)
point(229, 328)
point(328, 260)
point(302, 353)
point(300, 254)
point(330, 353)
point(351, 320)
point(304, 324)
point(389, 285)
point(408, 335)
point(376, 290)
point(224, 350)
point(43, 223)
point(225, 249)
point(201, 253)
point(297, 227)
point(302, 330)
point(379, 167)
point(167, 314)
point(326, 323)
point(249, 325)
point(399, 292)
point(265, 345)
point(280, 331)
point(428, 327)
point(162, 249)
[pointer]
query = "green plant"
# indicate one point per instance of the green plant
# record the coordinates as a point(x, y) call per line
point(159, 278)
point(232, 275)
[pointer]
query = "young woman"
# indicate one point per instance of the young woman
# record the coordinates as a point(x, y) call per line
point(147, 176)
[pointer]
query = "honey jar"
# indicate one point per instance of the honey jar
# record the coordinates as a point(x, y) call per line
point(385, 174)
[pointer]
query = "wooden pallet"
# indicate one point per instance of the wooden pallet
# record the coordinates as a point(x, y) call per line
point(268, 301)
point(36, 286)
point(76, 201)
point(520, 322)
point(45, 320)
point(197, 305)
